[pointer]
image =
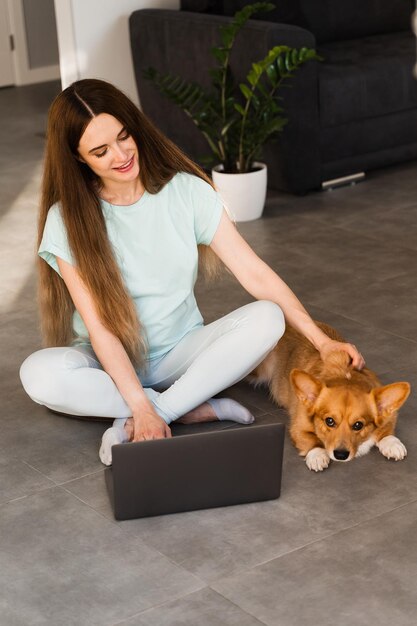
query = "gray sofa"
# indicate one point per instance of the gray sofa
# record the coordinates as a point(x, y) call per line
point(355, 111)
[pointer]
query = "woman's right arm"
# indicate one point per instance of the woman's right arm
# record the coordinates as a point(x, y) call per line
point(114, 359)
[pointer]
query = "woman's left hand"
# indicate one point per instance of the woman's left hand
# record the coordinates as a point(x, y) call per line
point(358, 362)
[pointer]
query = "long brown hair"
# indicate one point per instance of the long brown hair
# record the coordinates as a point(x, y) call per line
point(73, 184)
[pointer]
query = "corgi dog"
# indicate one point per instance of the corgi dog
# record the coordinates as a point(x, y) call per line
point(336, 412)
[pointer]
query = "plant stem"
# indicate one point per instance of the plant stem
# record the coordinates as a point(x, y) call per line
point(241, 159)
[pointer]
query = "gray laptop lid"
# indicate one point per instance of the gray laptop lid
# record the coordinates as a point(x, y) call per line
point(234, 465)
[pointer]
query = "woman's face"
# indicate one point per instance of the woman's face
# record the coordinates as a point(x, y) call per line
point(108, 149)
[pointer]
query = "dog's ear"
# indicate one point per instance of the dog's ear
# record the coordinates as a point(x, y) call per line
point(389, 399)
point(306, 387)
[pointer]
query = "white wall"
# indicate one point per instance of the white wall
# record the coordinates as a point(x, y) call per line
point(93, 38)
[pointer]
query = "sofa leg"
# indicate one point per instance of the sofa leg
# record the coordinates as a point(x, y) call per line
point(352, 179)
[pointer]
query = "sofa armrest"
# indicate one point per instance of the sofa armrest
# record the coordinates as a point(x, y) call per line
point(179, 42)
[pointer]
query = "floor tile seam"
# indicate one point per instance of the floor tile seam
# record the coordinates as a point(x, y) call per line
point(239, 607)
point(35, 469)
point(117, 524)
point(155, 606)
point(97, 511)
point(310, 543)
point(389, 332)
point(55, 482)
point(312, 256)
point(322, 219)
point(397, 335)
point(398, 245)
point(340, 230)
point(352, 319)
point(181, 597)
point(73, 480)
point(384, 277)
point(384, 330)
point(177, 564)
point(308, 304)
point(27, 495)
point(264, 411)
point(114, 522)
point(264, 391)
point(341, 315)
point(397, 207)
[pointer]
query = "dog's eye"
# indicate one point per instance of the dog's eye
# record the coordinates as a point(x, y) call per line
point(330, 421)
point(357, 426)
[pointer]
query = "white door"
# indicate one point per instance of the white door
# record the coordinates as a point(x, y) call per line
point(28, 62)
point(6, 58)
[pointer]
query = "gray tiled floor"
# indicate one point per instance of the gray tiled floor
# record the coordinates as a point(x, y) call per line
point(336, 548)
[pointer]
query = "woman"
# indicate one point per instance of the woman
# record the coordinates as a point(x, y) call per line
point(122, 213)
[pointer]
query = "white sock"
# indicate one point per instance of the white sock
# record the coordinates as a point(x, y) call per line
point(227, 409)
point(115, 434)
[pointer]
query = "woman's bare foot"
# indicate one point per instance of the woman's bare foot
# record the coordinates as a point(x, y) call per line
point(202, 413)
point(218, 409)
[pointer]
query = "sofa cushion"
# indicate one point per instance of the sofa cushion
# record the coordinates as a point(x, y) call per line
point(203, 6)
point(335, 20)
point(286, 11)
point(328, 20)
point(366, 77)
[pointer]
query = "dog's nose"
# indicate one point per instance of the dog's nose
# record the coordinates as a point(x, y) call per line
point(341, 455)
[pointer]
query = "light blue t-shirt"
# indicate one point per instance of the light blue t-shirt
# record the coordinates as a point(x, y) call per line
point(155, 245)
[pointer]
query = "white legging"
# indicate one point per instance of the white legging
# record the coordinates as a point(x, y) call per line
point(206, 361)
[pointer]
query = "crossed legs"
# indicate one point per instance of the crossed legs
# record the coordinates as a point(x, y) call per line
point(206, 361)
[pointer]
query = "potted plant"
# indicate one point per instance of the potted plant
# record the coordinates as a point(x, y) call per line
point(237, 120)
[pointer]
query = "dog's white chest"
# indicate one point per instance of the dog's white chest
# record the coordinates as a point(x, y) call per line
point(365, 447)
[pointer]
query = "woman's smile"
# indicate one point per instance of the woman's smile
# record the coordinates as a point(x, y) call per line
point(126, 167)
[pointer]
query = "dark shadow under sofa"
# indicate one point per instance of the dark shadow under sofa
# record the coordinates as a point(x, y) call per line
point(353, 112)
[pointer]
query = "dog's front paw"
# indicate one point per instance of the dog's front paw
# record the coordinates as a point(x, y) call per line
point(317, 459)
point(392, 448)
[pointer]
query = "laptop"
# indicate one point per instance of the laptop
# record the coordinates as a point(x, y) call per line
point(235, 465)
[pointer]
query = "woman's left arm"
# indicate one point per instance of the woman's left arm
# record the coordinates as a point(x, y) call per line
point(264, 284)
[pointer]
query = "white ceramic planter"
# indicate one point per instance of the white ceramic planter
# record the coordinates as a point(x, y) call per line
point(243, 194)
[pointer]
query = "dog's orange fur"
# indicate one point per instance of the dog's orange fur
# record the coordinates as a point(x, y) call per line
point(364, 412)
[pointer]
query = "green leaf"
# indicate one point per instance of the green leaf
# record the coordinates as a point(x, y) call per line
point(255, 101)
point(254, 74)
point(225, 128)
point(294, 57)
point(275, 52)
point(272, 73)
point(282, 67)
point(261, 89)
point(239, 108)
point(257, 68)
point(220, 54)
point(246, 91)
point(288, 63)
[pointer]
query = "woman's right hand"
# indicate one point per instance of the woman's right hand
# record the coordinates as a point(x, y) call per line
point(147, 424)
